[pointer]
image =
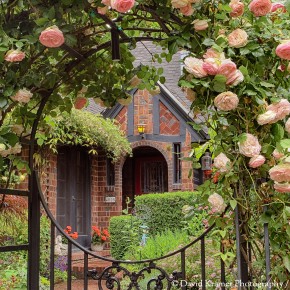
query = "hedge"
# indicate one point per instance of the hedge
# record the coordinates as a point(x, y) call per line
point(163, 211)
point(122, 230)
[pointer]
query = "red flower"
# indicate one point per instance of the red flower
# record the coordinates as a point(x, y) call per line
point(103, 238)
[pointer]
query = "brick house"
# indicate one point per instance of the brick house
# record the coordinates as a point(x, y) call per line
point(84, 190)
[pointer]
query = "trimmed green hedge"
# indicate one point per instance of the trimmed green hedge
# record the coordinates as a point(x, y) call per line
point(163, 211)
point(123, 234)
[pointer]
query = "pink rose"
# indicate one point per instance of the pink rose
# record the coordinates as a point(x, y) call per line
point(102, 10)
point(226, 101)
point(80, 103)
point(200, 25)
point(122, 6)
point(237, 8)
point(287, 126)
point(51, 37)
point(227, 68)
point(210, 65)
point(106, 2)
point(187, 10)
point(238, 38)
point(281, 108)
point(280, 173)
point(266, 118)
point(236, 78)
point(277, 155)
point(260, 7)
point(194, 66)
point(276, 6)
point(22, 96)
point(217, 203)
point(282, 187)
point(283, 50)
point(181, 3)
point(257, 161)
point(14, 56)
point(212, 53)
point(222, 163)
point(250, 147)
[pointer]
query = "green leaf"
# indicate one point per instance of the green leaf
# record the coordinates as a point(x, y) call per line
point(173, 47)
point(267, 85)
point(208, 42)
point(41, 21)
point(219, 83)
point(286, 262)
point(285, 143)
point(278, 132)
point(233, 203)
point(3, 102)
point(11, 138)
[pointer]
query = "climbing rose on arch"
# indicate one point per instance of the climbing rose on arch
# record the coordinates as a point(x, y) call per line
point(250, 147)
point(22, 96)
point(237, 8)
point(226, 101)
point(260, 7)
point(14, 56)
point(283, 50)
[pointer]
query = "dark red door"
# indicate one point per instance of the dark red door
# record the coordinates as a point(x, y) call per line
point(73, 191)
point(151, 175)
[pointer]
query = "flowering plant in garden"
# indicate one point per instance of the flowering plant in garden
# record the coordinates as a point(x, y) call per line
point(236, 74)
point(73, 235)
point(99, 236)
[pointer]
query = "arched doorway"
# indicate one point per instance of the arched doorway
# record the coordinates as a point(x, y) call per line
point(145, 172)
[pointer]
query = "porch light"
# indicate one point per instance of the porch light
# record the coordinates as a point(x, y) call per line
point(206, 162)
point(141, 129)
point(115, 44)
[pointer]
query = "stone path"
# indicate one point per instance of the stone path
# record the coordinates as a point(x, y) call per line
point(78, 285)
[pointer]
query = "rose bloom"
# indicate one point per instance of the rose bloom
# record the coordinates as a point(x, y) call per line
point(276, 6)
point(14, 56)
point(212, 53)
point(280, 173)
point(210, 66)
point(238, 38)
point(257, 161)
point(260, 7)
point(200, 25)
point(187, 10)
point(217, 203)
point(106, 2)
point(102, 10)
point(194, 66)
point(235, 78)
point(122, 6)
point(237, 8)
point(277, 155)
point(51, 37)
point(17, 129)
point(80, 103)
point(250, 147)
point(282, 187)
point(283, 50)
point(22, 96)
point(227, 68)
point(266, 118)
point(226, 101)
point(287, 126)
point(179, 3)
point(281, 108)
point(222, 162)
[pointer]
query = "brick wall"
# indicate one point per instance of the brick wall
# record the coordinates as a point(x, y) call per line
point(122, 119)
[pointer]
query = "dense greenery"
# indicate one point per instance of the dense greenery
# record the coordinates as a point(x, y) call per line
point(161, 212)
point(89, 130)
point(125, 233)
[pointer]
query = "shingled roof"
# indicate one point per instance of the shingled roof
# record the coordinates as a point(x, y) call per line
point(171, 71)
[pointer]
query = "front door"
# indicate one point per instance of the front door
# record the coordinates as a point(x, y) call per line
point(151, 175)
point(73, 191)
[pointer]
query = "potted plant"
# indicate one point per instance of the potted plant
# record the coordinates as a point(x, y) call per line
point(99, 237)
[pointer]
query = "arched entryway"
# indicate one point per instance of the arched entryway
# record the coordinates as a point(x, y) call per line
point(145, 172)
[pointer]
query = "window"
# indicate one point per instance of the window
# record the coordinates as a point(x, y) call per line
point(176, 163)
point(110, 172)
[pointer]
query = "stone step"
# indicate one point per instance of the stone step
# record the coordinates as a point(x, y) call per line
point(79, 255)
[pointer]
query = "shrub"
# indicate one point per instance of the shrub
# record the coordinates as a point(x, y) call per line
point(163, 211)
point(124, 234)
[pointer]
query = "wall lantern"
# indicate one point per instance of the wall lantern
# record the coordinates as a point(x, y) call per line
point(115, 43)
point(206, 162)
point(141, 129)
